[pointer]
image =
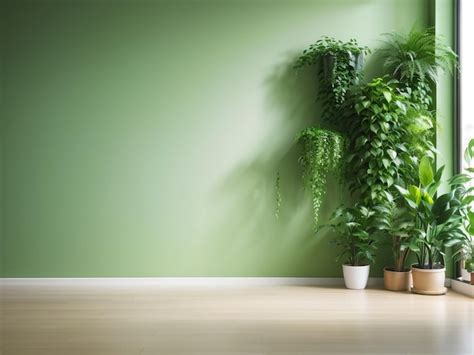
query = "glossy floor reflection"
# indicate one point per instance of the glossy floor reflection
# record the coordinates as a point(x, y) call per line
point(145, 319)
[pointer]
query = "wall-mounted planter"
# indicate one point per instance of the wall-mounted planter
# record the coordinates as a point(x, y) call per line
point(329, 60)
point(429, 281)
point(356, 277)
point(397, 280)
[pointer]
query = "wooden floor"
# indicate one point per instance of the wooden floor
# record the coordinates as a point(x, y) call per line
point(147, 319)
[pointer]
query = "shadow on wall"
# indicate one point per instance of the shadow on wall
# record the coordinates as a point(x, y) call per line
point(250, 237)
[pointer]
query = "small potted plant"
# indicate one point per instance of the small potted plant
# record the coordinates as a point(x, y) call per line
point(438, 224)
point(357, 244)
point(397, 224)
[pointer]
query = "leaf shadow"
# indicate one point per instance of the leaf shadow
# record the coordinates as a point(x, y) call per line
point(286, 246)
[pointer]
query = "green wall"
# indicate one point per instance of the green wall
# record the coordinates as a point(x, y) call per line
point(143, 138)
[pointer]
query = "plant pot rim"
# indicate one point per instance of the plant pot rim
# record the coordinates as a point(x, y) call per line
point(349, 265)
point(419, 269)
point(405, 271)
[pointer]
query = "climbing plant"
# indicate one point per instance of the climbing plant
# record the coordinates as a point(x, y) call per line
point(379, 153)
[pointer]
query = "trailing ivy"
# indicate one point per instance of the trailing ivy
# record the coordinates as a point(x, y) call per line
point(339, 69)
point(322, 152)
point(278, 196)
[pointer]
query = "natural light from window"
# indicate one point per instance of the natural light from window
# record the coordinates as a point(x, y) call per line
point(467, 71)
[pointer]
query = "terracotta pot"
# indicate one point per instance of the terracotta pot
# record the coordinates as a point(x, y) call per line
point(396, 280)
point(429, 281)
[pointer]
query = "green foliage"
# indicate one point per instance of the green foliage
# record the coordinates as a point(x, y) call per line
point(469, 155)
point(353, 227)
point(417, 56)
point(380, 155)
point(395, 222)
point(464, 184)
point(438, 220)
point(278, 196)
point(415, 59)
point(340, 68)
point(468, 256)
point(425, 172)
point(322, 152)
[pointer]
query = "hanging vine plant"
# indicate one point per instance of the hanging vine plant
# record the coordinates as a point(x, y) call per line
point(340, 68)
point(322, 152)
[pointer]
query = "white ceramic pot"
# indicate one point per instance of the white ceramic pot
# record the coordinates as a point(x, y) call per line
point(356, 277)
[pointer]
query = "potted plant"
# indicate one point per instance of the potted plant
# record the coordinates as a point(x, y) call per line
point(396, 223)
point(340, 65)
point(413, 61)
point(380, 156)
point(464, 184)
point(438, 224)
point(357, 244)
point(417, 56)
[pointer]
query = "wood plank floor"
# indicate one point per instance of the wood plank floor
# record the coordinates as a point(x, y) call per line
point(147, 319)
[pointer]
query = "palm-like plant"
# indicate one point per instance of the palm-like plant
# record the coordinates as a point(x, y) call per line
point(417, 56)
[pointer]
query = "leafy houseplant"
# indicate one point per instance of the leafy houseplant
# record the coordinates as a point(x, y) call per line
point(388, 135)
point(322, 152)
point(467, 257)
point(340, 68)
point(438, 223)
point(414, 59)
point(357, 243)
point(395, 222)
point(465, 187)
point(417, 56)
point(379, 154)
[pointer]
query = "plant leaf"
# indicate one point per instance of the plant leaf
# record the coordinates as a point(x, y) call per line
point(425, 172)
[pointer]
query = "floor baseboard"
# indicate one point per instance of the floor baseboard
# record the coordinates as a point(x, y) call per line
point(189, 281)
